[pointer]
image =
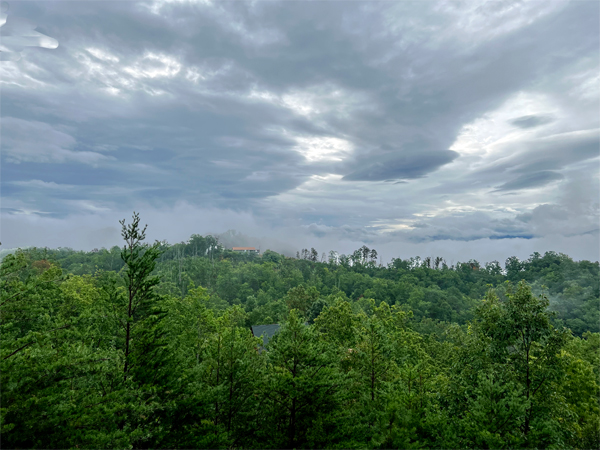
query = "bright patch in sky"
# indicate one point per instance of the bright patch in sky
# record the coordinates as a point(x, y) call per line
point(316, 148)
point(153, 65)
point(522, 116)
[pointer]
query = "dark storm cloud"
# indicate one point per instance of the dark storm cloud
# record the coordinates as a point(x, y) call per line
point(403, 166)
point(530, 180)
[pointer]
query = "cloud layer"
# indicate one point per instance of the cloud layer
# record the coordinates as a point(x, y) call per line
point(399, 124)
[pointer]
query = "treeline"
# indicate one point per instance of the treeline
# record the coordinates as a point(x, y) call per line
point(433, 290)
point(157, 352)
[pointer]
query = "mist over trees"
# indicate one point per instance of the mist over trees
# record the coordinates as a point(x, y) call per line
point(150, 346)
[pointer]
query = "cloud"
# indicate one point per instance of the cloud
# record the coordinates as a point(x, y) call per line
point(403, 166)
point(531, 121)
point(311, 117)
point(153, 65)
point(99, 228)
point(576, 211)
point(33, 141)
point(39, 184)
point(18, 33)
point(553, 152)
point(530, 180)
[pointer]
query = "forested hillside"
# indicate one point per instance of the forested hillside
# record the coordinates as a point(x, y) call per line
point(430, 288)
point(149, 346)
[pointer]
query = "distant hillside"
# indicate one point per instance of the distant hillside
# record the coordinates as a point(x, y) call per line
point(434, 292)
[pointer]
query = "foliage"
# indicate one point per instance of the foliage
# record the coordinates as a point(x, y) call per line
point(150, 346)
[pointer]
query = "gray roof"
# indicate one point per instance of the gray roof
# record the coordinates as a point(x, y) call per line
point(266, 331)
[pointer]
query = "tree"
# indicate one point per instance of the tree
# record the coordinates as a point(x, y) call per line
point(364, 252)
point(373, 256)
point(301, 298)
point(142, 310)
point(513, 267)
point(61, 377)
point(523, 348)
point(581, 390)
point(315, 310)
point(218, 396)
point(333, 258)
point(301, 389)
point(372, 355)
point(337, 325)
point(238, 367)
point(314, 255)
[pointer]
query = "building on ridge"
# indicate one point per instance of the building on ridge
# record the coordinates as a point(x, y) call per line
point(245, 249)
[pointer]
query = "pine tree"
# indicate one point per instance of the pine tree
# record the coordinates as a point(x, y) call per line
point(142, 312)
point(301, 391)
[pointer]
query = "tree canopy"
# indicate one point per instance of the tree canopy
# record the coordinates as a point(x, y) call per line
point(150, 346)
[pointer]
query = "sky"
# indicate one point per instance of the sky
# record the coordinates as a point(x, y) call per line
point(465, 129)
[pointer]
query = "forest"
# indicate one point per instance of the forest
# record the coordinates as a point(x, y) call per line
point(150, 346)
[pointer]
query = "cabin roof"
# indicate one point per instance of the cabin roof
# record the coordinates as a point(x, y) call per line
point(266, 331)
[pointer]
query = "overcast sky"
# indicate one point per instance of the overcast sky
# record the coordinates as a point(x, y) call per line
point(460, 129)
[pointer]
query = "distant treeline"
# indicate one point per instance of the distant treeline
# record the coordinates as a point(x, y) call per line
point(430, 288)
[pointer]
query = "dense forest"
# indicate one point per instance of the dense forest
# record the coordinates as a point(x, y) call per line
point(150, 346)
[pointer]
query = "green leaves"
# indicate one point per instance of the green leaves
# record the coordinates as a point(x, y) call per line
point(57, 384)
point(160, 355)
point(514, 344)
point(301, 388)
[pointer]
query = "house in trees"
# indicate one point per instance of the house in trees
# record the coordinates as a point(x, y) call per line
point(266, 331)
point(245, 249)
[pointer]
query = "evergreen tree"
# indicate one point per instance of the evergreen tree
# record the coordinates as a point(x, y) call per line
point(142, 312)
point(302, 389)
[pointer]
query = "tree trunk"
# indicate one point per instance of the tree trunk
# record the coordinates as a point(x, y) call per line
point(292, 428)
point(528, 410)
point(128, 328)
point(218, 379)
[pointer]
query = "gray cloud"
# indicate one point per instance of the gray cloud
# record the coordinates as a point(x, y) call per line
point(18, 33)
point(530, 180)
point(97, 229)
point(32, 141)
point(531, 121)
point(261, 109)
point(548, 153)
point(574, 213)
point(403, 166)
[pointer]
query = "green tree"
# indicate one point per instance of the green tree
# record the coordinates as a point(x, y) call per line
point(142, 311)
point(62, 383)
point(581, 389)
point(337, 325)
point(301, 298)
point(518, 347)
point(301, 390)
